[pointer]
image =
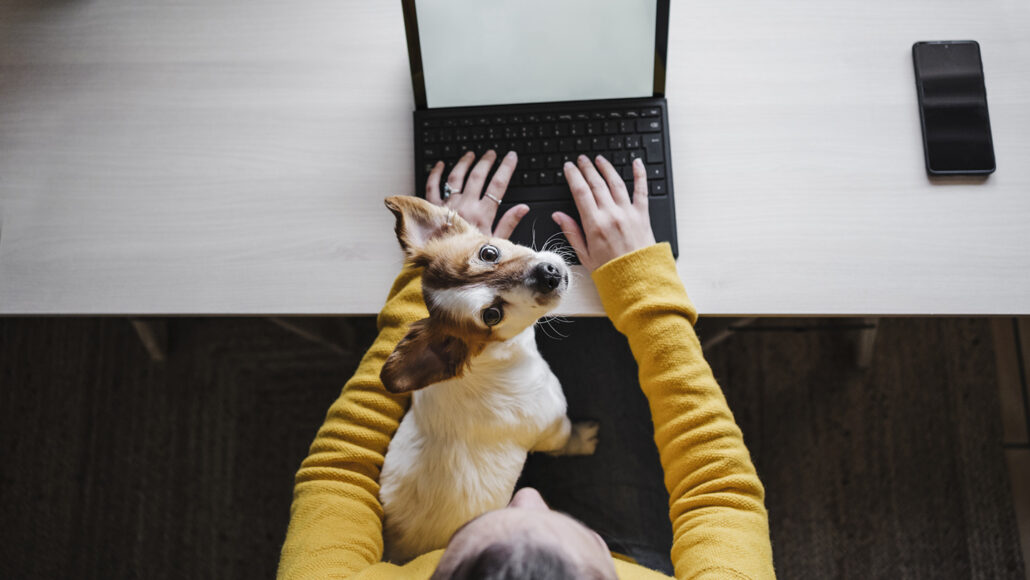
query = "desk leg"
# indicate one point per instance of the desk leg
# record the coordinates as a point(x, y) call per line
point(332, 333)
point(712, 331)
point(154, 336)
point(866, 343)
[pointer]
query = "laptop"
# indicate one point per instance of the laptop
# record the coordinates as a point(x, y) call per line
point(550, 80)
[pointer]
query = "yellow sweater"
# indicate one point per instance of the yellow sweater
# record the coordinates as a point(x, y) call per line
point(719, 521)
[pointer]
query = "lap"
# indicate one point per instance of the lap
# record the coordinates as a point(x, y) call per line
point(619, 491)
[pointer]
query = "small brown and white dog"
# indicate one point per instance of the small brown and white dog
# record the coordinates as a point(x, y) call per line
point(459, 450)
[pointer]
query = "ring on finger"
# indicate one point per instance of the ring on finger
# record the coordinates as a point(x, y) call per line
point(448, 191)
point(497, 201)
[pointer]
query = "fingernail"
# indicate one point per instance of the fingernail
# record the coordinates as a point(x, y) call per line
point(583, 158)
point(638, 162)
point(510, 155)
point(568, 165)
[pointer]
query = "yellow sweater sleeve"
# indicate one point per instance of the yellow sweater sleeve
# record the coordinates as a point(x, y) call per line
point(720, 526)
point(336, 519)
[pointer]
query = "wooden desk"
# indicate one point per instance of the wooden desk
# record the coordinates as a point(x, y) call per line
point(217, 157)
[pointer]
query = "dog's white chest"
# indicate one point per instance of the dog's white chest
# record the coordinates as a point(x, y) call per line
point(460, 449)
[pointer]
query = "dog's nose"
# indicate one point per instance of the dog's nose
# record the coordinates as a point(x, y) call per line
point(546, 277)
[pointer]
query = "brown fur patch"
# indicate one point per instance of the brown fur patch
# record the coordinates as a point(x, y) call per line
point(423, 357)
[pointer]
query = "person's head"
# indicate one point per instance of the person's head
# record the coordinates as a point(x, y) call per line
point(525, 540)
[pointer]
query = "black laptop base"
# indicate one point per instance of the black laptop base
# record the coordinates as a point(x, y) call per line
point(545, 136)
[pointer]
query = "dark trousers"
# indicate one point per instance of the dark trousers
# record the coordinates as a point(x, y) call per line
point(619, 492)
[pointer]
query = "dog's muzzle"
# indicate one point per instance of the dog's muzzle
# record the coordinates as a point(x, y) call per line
point(546, 277)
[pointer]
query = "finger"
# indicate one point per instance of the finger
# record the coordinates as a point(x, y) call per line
point(585, 202)
point(615, 183)
point(510, 220)
point(639, 184)
point(574, 234)
point(602, 196)
point(433, 184)
point(474, 186)
point(457, 177)
point(502, 177)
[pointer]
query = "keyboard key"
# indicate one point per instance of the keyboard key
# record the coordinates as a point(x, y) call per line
point(580, 144)
point(565, 144)
point(649, 125)
point(633, 142)
point(532, 146)
point(611, 127)
point(597, 115)
point(565, 117)
point(620, 158)
point(545, 178)
point(429, 136)
point(615, 143)
point(631, 114)
point(430, 152)
point(594, 128)
point(518, 119)
point(636, 154)
point(561, 130)
point(446, 135)
point(627, 173)
point(598, 143)
point(627, 127)
point(655, 148)
point(578, 129)
point(651, 112)
point(548, 145)
point(553, 161)
point(581, 117)
point(535, 162)
point(657, 187)
point(655, 171)
point(615, 115)
point(466, 122)
point(427, 123)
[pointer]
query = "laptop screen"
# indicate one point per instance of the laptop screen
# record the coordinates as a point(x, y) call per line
point(500, 52)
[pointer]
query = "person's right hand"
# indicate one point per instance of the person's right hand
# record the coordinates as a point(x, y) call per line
point(613, 224)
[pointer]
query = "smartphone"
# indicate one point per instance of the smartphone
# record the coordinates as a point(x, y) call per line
point(953, 108)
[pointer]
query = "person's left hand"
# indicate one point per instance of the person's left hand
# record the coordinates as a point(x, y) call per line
point(466, 199)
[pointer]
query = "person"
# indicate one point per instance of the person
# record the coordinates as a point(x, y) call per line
point(715, 507)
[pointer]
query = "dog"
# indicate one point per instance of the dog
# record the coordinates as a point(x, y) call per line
point(483, 397)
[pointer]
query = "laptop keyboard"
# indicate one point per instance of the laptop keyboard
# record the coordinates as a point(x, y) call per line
point(545, 141)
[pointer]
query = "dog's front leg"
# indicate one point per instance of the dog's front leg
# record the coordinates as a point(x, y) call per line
point(568, 438)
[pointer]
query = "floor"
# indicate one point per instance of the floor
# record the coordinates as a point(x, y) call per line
point(115, 466)
point(1012, 355)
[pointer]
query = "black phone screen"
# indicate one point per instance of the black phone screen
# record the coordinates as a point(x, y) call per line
point(953, 107)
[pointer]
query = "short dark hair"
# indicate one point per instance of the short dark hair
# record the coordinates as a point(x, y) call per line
point(522, 559)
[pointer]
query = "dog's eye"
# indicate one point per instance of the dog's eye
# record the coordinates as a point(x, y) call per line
point(489, 253)
point(492, 316)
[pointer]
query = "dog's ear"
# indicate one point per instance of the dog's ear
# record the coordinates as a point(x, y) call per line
point(423, 357)
point(419, 221)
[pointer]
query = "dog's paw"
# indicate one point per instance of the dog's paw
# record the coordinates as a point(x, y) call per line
point(583, 439)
